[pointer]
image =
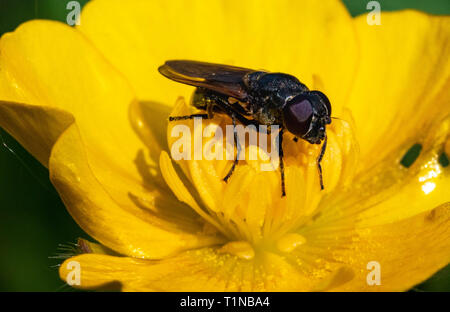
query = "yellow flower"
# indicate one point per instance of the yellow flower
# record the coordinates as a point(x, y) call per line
point(89, 104)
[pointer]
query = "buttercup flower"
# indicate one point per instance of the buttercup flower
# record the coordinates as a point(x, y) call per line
point(89, 104)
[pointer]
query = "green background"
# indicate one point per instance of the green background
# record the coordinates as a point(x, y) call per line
point(33, 220)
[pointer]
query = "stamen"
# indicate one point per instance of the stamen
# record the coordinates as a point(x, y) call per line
point(249, 209)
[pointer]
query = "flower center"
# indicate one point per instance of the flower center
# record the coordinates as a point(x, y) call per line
point(248, 208)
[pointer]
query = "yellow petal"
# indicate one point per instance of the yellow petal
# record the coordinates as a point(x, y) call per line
point(197, 270)
point(402, 81)
point(44, 123)
point(408, 252)
point(70, 75)
point(307, 39)
point(85, 246)
point(405, 257)
point(128, 229)
point(389, 192)
point(388, 214)
point(181, 192)
point(149, 121)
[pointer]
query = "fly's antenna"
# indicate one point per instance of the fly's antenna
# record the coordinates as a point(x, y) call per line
point(343, 120)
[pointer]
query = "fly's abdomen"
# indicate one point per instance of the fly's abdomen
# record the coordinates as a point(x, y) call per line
point(200, 100)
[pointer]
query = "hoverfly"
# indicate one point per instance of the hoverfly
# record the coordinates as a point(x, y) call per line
point(254, 97)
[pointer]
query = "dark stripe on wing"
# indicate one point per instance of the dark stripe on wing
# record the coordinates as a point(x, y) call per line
point(223, 79)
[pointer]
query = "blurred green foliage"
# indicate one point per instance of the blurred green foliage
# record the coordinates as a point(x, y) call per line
point(441, 7)
point(33, 220)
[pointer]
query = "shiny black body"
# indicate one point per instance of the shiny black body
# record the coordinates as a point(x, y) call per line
point(255, 97)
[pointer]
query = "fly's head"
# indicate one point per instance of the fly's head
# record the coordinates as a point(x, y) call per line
point(306, 116)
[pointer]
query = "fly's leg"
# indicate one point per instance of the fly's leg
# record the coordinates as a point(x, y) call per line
point(175, 118)
point(319, 160)
point(210, 110)
point(238, 146)
point(281, 154)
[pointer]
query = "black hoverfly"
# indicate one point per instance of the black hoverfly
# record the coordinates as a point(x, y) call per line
point(254, 97)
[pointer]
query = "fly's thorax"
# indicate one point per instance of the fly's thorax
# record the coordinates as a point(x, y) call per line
point(250, 80)
point(273, 89)
point(269, 93)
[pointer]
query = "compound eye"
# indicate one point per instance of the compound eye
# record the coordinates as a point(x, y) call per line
point(324, 99)
point(297, 115)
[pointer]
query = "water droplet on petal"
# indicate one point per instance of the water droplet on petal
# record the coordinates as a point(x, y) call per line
point(290, 241)
point(240, 249)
